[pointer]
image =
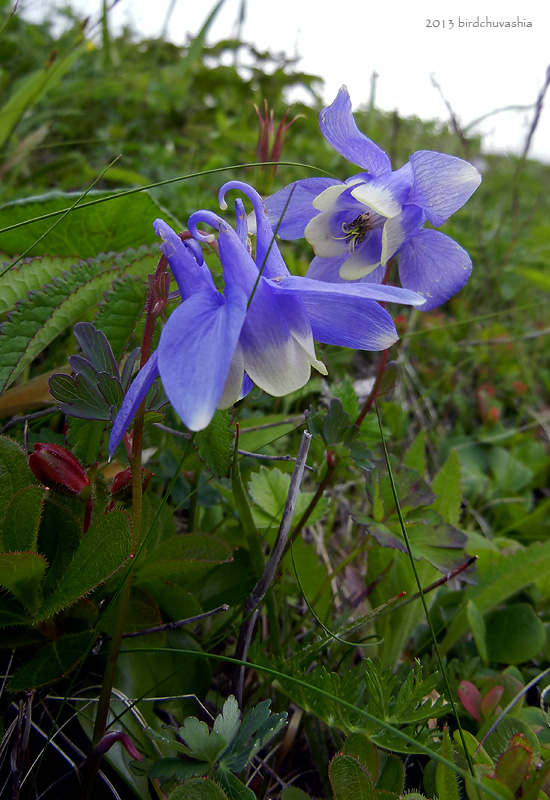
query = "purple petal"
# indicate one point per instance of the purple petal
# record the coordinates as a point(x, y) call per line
point(340, 130)
point(349, 321)
point(328, 269)
point(296, 212)
point(191, 273)
point(442, 184)
point(268, 257)
point(132, 401)
point(277, 346)
point(196, 351)
point(435, 266)
point(370, 291)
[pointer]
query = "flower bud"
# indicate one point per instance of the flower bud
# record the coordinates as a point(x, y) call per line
point(58, 469)
point(121, 487)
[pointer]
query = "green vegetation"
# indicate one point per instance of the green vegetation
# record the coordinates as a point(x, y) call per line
point(327, 679)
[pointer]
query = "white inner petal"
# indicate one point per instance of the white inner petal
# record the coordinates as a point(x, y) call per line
point(379, 198)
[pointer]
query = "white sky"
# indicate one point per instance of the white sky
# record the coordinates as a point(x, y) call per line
point(479, 69)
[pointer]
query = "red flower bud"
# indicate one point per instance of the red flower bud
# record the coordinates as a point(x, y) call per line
point(58, 469)
point(121, 487)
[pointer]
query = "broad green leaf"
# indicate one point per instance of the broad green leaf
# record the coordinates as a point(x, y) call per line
point(498, 580)
point(110, 224)
point(102, 551)
point(12, 612)
point(294, 793)
point(19, 530)
point(446, 486)
point(53, 661)
point(179, 554)
point(15, 472)
point(198, 789)
point(349, 779)
point(515, 634)
point(21, 574)
point(269, 490)
point(215, 444)
point(392, 776)
point(59, 539)
point(359, 747)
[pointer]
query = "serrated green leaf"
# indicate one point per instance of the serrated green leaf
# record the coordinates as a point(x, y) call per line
point(119, 313)
point(198, 789)
point(116, 224)
point(215, 444)
point(21, 574)
point(269, 491)
point(233, 787)
point(229, 721)
point(203, 744)
point(78, 397)
point(415, 457)
point(85, 438)
point(349, 779)
point(19, 530)
point(364, 751)
point(12, 612)
point(178, 554)
point(166, 769)
point(58, 540)
point(30, 275)
point(448, 491)
point(336, 424)
point(103, 550)
point(445, 777)
point(46, 313)
point(53, 661)
point(15, 472)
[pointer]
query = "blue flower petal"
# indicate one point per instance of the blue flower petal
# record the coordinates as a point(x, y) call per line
point(268, 257)
point(296, 212)
point(191, 273)
point(442, 184)
point(435, 266)
point(349, 321)
point(277, 342)
point(328, 269)
point(196, 350)
point(358, 289)
point(340, 130)
point(132, 401)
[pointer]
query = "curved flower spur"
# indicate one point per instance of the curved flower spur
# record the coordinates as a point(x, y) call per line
point(355, 227)
point(261, 330)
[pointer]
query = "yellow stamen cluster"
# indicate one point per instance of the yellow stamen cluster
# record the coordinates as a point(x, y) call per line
point(355, 231)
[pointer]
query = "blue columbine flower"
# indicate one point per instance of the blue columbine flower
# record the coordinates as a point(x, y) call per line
point(261, 330)
point(357, 226)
